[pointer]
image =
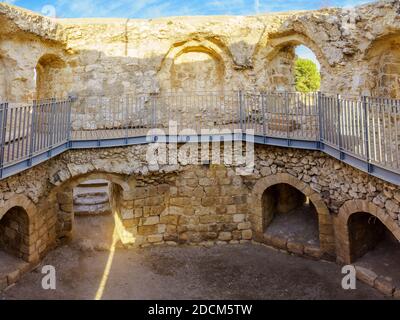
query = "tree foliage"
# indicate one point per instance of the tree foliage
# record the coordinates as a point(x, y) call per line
point(308, 78)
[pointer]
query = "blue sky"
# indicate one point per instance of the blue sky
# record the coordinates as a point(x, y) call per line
point(159, 8)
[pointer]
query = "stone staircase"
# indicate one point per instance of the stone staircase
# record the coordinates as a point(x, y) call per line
point(91, 198)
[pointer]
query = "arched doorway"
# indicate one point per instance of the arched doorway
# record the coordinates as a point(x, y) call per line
point(15, 244)
point(372, 244)
point(307, 68)
point(366, 233)
point(279, 203)
point(368, 237)
point(93, 219)
point(90, 207)
point(277, 61)
point(289, 214)
point(292, 69)
point(14, 232)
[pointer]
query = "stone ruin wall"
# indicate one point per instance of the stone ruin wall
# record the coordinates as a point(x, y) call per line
point(110, 57)
point(197, 204)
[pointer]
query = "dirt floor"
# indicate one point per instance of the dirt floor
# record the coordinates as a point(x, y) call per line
point(384, 260)
point(299, 225)
point(87, 269)
point(8, 263)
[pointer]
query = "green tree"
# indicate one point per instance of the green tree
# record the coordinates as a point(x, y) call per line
point(307, 75)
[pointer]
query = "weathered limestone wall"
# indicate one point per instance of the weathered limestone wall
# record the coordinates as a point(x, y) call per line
point(385, 67)
point(110, 57)
point(201, 204)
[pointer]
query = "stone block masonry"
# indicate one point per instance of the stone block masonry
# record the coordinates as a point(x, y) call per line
point(357, 50)
point(195, 203)
point(195, 206)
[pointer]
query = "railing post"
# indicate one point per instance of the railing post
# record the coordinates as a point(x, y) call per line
point(287, 114)
point(263, 109)
point(69, 122)
point(338, 97)
point(52, 123)
point(127, 118)
point(153, 112)
point(366, 129)
point(320, 117)
point(241, 107)
point(33, 133)
point(3, 132)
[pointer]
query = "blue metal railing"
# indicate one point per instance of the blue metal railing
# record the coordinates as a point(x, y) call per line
point(364, 132)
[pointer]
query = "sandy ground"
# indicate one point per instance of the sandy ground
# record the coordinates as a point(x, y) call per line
point(86, 269)
point(299, 225)
point(384, 260)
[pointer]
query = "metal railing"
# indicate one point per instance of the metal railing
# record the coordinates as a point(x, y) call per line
point(365, 128)
point(26, 130)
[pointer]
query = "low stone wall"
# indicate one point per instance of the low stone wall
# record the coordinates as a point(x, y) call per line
point(200, 205)
point(196, 196)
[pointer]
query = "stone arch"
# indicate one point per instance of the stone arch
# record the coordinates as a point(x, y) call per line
point(341, 226)
point(62, 196)
point(52, 77)
point(31, 246)
point(117, 178)
point(324, 218)
point(211, 67)
point(281, 47)
point(382, 60)
point(3, 81)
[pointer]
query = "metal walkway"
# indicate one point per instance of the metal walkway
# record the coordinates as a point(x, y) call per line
point(363, 132)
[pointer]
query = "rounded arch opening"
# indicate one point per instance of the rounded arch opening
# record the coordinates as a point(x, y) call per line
point(197, 69)
point(3, 81)
point(51, 77)
point(290, 63)
point(369, 238)
point(373, 246)
point(14, 235)
point(290, 214)
point(194, 66)
point(265, 210)
point(383, 67)
point(294, 67)
point(93, 217)
point(89, 209)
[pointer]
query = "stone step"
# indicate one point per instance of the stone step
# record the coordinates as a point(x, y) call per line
point(97, 209)
point(91, 198)
point(93, 184)
point(90, 190)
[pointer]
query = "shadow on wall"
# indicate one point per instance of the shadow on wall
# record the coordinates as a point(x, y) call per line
point(14, 232)
point(53, 77)
point(383, 58)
